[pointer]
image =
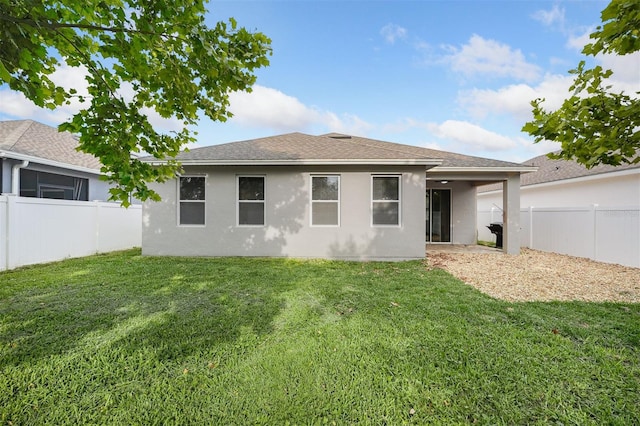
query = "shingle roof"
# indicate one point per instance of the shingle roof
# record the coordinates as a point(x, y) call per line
point(35, 139)
point(329, 147)
point(550, 170)
point(449, 159)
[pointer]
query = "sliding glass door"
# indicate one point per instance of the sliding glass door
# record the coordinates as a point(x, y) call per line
point(438, 215)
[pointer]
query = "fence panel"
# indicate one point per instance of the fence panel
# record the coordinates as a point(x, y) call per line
point(118, 228)
point(564, 231)
point(3, 232)
point(484, 219)
point(618, 235)
point(36, 230)
point(525, 228)
point(606, 234)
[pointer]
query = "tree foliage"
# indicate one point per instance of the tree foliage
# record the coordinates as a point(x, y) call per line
point(596, 125)
point(140, 56)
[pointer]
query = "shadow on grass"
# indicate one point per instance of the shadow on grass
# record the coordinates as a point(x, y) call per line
point(173, 306)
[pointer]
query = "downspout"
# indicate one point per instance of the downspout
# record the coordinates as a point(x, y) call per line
point(15, 176)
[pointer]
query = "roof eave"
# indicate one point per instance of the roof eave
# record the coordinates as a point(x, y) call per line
point(310, 162)
point(505, 169)
point(47, 162)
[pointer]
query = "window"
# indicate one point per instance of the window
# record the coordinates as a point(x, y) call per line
point(192, 201)
point(325, 200)
point(50, 185)
point(251, 200)
point(385, 200)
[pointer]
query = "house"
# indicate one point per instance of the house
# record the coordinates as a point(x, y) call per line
point(328, 196)
point(562, 183)
point(569, 209)
point(38, 161)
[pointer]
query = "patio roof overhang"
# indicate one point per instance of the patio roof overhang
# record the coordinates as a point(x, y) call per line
point(477, 175)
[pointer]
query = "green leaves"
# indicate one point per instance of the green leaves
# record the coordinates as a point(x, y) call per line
point(596, 125)
point(140, 56)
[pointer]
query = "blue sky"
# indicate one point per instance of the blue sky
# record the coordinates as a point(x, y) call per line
point(450, 75)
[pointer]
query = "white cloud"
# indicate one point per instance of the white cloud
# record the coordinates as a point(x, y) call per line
point(393, 32)
point(515, 99)
point(15, 104)
point(578, 41)
point(492, 58)
point(270, 108)
point(626, 68)
point(550, 17)
point(266, 107)
point(626, 71)
point(471, 135)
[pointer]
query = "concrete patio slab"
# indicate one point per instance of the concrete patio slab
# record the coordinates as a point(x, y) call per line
point(460, 248)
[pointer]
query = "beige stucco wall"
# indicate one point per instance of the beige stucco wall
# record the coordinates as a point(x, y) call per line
point(287, 231)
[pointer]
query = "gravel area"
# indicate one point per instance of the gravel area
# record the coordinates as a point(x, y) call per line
point(541, 276)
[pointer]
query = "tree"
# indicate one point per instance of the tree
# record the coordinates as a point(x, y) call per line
point(161, 50)
point(596, 125)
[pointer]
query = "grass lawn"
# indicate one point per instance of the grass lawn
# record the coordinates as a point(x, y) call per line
point(125, 339)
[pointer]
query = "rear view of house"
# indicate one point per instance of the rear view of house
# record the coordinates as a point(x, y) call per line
point(329, 196)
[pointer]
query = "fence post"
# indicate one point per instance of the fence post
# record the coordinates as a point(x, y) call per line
point(96, 205)
point(530, 227)
point(9, 234)
point(594, 215)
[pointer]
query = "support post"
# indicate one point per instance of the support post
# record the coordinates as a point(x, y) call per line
point(511, 214)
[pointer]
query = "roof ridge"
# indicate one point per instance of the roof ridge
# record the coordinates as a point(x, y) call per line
point(14, 136)
point(379, 144)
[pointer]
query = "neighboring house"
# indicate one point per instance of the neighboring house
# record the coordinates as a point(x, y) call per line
point(38, 161)
point(569, 209)
point(52, 201)
point(329, 196)
point(562, 183)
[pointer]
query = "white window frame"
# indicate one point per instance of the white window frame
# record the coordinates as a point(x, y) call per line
point(180, 201)
point(398, 201)
point(312, 201)
point(238, 202)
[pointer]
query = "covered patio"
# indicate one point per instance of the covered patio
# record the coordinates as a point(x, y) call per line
point(458, 178)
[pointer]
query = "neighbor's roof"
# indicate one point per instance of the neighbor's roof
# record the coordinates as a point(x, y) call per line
point(37, 142)
point(550, 170)
point(333, 148)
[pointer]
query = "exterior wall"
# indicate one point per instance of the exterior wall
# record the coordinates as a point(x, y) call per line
point(98, 189)
point(287, 231)
point(611, 189)
point(37, 230)
point(463, 210)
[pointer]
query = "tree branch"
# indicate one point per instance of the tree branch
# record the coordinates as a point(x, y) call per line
point(55, 25)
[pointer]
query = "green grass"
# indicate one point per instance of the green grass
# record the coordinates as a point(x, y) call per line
point(125, 339)
point(486, 243)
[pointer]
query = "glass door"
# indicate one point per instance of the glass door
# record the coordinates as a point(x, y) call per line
point(438, 215)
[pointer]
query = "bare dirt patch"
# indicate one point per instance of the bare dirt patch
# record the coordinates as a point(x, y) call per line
point(541, 276)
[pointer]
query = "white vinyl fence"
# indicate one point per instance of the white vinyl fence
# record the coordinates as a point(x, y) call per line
point(37, 230)
point(605, 234)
